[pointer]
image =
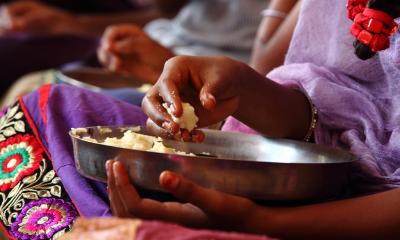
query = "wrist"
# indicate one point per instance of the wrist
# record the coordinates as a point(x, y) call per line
point(84, 24)
point(269, 12)
point(272, 109)
point(266, 221)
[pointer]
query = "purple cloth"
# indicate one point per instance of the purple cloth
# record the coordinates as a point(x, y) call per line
point(70, 107)
point(358, 101)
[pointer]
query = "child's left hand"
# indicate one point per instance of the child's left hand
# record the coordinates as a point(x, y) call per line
point(204, 207)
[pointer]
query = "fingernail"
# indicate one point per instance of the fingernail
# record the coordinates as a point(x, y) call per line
point(116, 175)
point(177, 136)
point(165, 125)
point(186, 136)
point(197, 136)
point(170, 180)
point(208, 100)
point(108, 163)
point(173, 108)
point(169, 127)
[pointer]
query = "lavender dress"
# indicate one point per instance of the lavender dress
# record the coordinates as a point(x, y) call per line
point(358, 101)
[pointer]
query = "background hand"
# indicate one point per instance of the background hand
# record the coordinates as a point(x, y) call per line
point(126, 48)
point(33, 16)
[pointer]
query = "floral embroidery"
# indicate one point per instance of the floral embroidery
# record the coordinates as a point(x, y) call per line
point(11, 123)
point(20, 156)
point(41, 184)
point(41, 219)
point(33, 201)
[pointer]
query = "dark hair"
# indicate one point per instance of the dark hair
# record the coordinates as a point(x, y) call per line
point(392, 7)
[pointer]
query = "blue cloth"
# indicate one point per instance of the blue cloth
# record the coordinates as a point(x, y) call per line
point(129, 95)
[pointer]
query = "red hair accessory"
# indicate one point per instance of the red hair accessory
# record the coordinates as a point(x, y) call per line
point(371, 27)
point(355, 7)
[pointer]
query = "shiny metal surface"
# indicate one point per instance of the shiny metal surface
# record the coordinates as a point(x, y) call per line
point(96, 79)
point(247, 165)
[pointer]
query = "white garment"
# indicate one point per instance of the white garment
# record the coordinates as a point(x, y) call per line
point(211, 27)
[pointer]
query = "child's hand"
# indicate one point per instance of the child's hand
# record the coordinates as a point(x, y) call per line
point(211, 84)
point(33, 16)
point(204, 207)
point(126, 48)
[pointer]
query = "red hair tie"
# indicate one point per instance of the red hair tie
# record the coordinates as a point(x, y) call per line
point(355, 7)
point(371, 27)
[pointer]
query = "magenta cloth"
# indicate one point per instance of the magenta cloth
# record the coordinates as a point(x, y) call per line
point(151, 230)
point(69, 107)
point(358, 101)
point(233, 125)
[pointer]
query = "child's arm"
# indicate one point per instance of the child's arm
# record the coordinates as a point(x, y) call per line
point(219, 87)
point(370, 217)
point(32, 16)
point(273, 37)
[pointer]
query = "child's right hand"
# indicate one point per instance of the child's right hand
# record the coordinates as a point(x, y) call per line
point(211, 84)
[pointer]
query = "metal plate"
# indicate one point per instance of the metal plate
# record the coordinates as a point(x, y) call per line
point(96, 79)
point(252, 166)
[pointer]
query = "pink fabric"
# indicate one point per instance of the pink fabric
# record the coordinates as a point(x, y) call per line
point(233, 125)
point(152, 230)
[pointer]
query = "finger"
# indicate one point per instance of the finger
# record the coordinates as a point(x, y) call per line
point(125, 47)
point(108, 59)
point(20, 8)
point(197, 136)
point(175, 76)
point(125, 190)
point(116, 205)
point(103, 56)
point(130, 199)
point(185, 135)
point(117, 33)
point(152, 107)
point(5, 19)
point(210, 201)
point(215, 89)
point(115, 64)
point(161, 132)
point(207, 99)
point(151, 209)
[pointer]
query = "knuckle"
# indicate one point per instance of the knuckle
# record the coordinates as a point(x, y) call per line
point(176, 60)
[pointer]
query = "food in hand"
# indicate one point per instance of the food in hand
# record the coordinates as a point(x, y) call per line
point(188, 120)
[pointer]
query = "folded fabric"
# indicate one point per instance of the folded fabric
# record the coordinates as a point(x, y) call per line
point(133, 229)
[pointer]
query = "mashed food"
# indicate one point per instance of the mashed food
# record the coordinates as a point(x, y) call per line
point(142, 142)
point(188, 120)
